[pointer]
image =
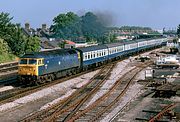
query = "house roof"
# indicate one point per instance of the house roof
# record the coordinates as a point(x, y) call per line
point(69, 42)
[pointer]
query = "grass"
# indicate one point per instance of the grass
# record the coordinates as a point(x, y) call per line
point(7, 58)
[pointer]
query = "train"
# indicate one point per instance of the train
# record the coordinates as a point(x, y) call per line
point(40, 67)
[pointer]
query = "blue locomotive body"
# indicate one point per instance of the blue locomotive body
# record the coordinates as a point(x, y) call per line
point(59, 61)
point(48, 65)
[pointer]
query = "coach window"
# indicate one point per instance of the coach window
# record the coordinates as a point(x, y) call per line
point(94, 55)
point(88, 56)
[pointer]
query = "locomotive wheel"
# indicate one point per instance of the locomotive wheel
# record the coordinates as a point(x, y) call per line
point(73, 72)
point(39, 81)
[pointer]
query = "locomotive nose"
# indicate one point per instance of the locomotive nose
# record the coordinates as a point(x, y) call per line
point(27, 70)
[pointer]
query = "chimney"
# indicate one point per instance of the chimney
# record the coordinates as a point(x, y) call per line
point(43, 26)
point(27, 26)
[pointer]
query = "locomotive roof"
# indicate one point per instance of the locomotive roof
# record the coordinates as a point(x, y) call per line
point(50, 53)
point(92, 48)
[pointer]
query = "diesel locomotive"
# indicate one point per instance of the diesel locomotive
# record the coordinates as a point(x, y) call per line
point(40, 67)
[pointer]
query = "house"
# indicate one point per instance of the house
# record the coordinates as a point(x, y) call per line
point(28, 31)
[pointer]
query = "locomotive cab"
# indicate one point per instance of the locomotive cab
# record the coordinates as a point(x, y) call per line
point(28, 68)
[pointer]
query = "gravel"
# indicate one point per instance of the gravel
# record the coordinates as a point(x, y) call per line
point(117, 72)
point(58, 99)
point(61, 87)
point(5, 88)
point(128, 97)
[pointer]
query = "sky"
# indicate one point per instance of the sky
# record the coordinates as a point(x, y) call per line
point(149, 13)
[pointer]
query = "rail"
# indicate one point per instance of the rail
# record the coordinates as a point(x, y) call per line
point(104, 103)
point(73, 102)
point(163, 112)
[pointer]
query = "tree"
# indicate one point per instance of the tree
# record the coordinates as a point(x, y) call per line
point(67, 26)
point(6, 27)
point(92, 27)
point(3, 47)
point(13, 35)
point(32, 44)
point(178, 31)
point(4, 52)
point(108, 38)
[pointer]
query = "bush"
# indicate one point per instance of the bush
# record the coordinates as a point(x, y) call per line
point(5, 56)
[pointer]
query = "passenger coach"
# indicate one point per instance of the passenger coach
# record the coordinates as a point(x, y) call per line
point(93, 55)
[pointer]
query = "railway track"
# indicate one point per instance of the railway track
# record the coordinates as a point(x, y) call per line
point(165, 110)
point(21, 91)
point(8, 73)
point(8, 67)
point(68, 106)
point(72, 108)
point(103, 105)
point(8, 81)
